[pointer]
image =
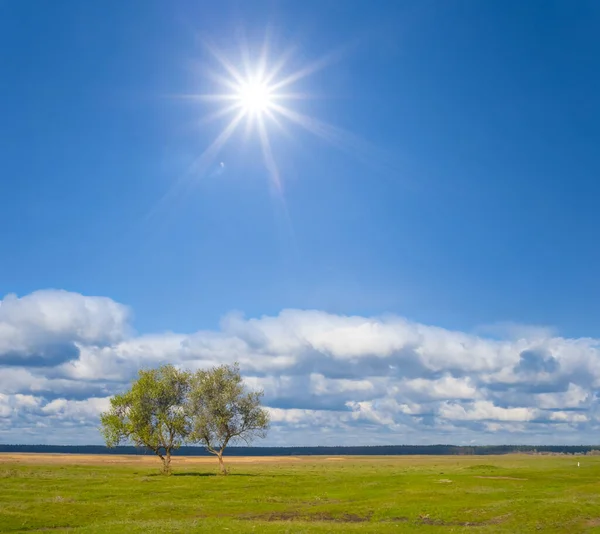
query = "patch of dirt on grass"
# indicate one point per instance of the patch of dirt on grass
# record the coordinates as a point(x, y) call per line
point(316, 501)
point(500, 478)
point(400, 519)
point(483, 466)
point(426, 520)
point(296, 516)
point(593, 522)
point(50, 529)
point(354, 518)
point(441, 523)
point(59, 499)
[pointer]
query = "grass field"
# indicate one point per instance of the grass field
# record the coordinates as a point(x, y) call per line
point(107, 494)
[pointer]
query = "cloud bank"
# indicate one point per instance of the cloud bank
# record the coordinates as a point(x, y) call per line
point(328, 379)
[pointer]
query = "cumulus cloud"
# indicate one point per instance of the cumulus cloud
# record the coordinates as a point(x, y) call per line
point(47, 327)
point(484, 411)
point(328, 379)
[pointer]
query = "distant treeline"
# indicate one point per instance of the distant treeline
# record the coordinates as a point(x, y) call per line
point(376, 450)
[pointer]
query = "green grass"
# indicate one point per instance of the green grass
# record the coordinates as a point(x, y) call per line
point(513, 494)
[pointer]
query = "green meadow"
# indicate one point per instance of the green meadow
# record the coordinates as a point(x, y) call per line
point(512, 493)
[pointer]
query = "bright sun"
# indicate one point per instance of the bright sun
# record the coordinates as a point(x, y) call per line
point(254, 97)
point(258, 94)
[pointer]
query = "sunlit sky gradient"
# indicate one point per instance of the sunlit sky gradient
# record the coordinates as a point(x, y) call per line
point(387, 211)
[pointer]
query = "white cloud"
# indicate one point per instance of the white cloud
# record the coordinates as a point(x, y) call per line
point(446, 387)
point(569, 417)
point(378, 412)
point(70, 409)
point(574, 397)
point(327, 377)
point(47, 326)
point(320, 385)
point(511, 427)
point(485, 410)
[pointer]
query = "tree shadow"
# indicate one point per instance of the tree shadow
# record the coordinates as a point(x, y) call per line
point(181, 475)
point(194, 474)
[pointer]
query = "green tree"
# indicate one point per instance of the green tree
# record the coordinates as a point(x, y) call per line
point(151, 414)
point(222, 411)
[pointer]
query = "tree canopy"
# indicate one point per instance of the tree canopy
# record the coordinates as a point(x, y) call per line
point(167, 407)
point(151, 414)
point(222, 411)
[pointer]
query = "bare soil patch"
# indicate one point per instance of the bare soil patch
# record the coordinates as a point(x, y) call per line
point(442, 523)
point(426, 520)
point(499, 478)
point(296, 516)
point(354, 518)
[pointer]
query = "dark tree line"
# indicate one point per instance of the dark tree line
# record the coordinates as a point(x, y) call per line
point(375, 450)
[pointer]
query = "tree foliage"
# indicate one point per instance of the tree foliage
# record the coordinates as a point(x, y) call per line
point(223, 412)
point(151, 414)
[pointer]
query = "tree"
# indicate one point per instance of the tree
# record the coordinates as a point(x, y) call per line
point(151, 414)
point(223, 411)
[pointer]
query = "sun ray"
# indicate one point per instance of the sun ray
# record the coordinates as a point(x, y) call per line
point(207, 157)
point(245, 52)
point(263, 58)
point(313, 67)
point(355, 146)
point(268, 154)
point(275, 120)
point(283, 60)
point(222, 80)
point(225, 63)
point(311, 124)
point(220, 113)
point(215, 97)
point(293, 96)
point(199, 165)
point(282, 213)
point(332, 134)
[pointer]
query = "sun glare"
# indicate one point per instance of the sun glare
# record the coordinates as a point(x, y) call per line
point(258, 93)
point(254, 97)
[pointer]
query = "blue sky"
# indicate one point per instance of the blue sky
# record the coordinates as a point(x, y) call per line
point(460, 193)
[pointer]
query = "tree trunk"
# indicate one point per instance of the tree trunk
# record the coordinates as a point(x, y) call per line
point(221, 463)
point(167, 464)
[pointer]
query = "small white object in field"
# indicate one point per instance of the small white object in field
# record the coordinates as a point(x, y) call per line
point(577, 464)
